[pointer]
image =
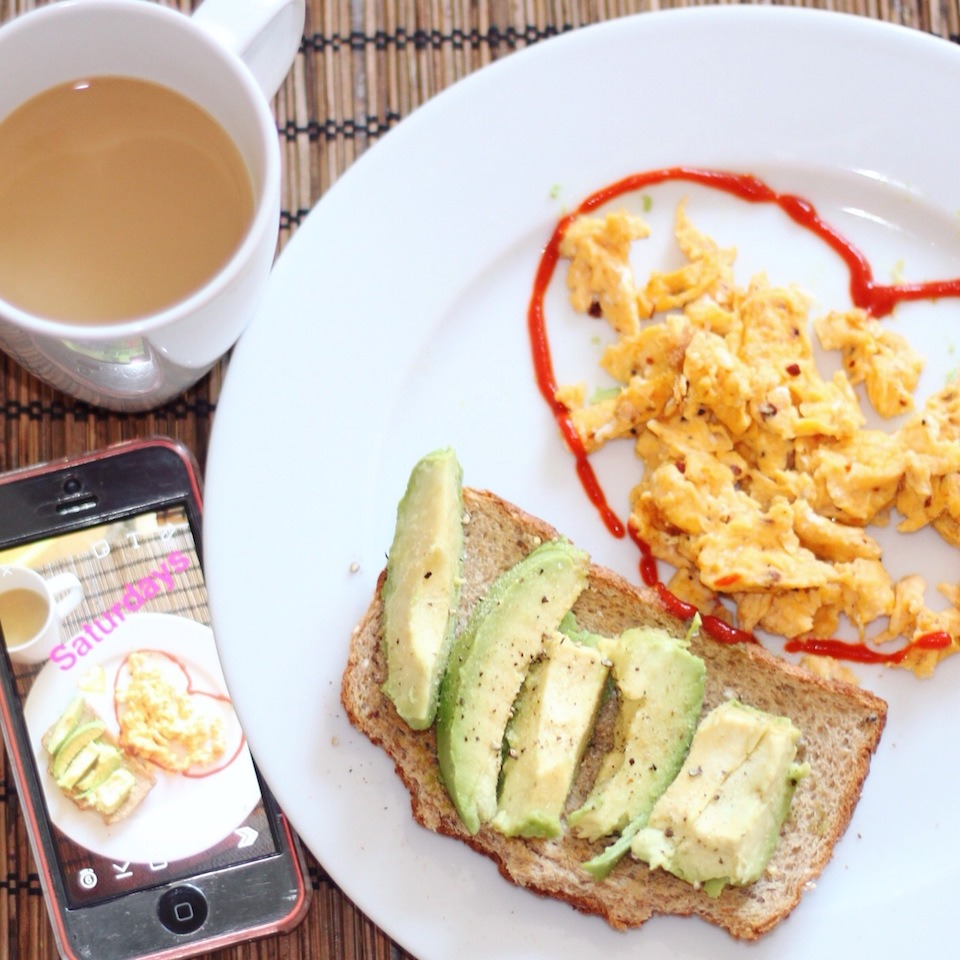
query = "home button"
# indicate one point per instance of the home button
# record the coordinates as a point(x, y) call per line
point(182, 909)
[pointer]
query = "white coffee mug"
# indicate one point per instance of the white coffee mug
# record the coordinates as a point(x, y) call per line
point(32, 611)
point(229, 58)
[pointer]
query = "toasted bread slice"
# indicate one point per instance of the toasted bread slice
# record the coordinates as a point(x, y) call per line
point(142, 773)
point(841, 727)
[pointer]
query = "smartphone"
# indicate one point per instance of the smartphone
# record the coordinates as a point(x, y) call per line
point(152, 829)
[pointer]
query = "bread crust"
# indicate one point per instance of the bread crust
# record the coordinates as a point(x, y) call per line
point(841, 726)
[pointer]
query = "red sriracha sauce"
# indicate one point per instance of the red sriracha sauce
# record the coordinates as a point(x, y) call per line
point(876, 299)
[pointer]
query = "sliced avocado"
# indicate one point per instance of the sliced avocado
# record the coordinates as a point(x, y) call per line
point(551, 726)
point(109, 758)
point(111, 794)
point(78, 767)
point(660, 685)
point(571, 628)
point(422, 587)
point(488, 664)
point(600, 866)
point(719, 821)
point(64, 725)
point(84, 733)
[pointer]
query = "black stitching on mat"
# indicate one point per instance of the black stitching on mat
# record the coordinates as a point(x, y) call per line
point(31, 884)
point(373, 127)
point(459, 39)
point(37, 410)
point(292, 218)
point(495, 37)
point(330, 129)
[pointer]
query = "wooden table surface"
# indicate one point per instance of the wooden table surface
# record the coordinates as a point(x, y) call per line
point(363, 66)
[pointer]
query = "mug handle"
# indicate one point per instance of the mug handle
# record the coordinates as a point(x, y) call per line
point(67, 592)
point(265, 34)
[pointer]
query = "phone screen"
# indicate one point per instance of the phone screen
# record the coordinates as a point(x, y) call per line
point(144, 768)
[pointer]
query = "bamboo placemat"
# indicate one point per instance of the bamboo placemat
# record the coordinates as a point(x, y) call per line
point(363, 67)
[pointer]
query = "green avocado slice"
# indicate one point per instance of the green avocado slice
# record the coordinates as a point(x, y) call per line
point(488, 664)
point(660, 684)
point(113, 792)
point(109, 758)
point(84, 733)
point(64, 725)
point(78, 767)
point(422, 587)
point(547, 736)
point(719, 821)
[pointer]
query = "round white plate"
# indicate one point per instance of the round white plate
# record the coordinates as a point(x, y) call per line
point(181, 816)
point(396, 323)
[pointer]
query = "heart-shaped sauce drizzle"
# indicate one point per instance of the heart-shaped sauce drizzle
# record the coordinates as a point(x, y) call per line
point(166, 719)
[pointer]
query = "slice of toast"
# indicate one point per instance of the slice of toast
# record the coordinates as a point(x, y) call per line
point(841, 726)
point(144, 777)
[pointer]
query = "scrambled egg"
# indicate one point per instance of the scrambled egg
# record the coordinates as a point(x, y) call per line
point(163, 722)
point(759, 475)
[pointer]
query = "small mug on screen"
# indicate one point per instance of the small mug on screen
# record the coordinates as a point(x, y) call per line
point(139, 188)
point(32, 610)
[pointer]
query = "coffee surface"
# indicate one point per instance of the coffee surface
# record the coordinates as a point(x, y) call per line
point(118, 198)
point(23, 613)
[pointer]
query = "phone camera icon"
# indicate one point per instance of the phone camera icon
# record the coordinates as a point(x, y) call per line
point(87, 878)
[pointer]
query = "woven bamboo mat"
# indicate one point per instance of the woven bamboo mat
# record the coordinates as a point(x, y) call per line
point(362, 68)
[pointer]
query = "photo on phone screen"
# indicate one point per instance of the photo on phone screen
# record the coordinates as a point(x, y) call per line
point(144, 769)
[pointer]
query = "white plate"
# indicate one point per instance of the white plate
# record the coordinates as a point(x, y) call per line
point(181, 816)
point(395, 323)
